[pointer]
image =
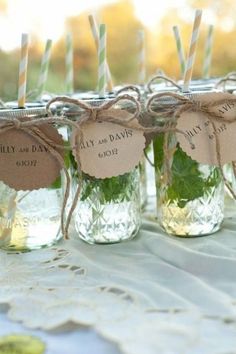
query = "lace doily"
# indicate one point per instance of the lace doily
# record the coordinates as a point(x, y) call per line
point(154, 294)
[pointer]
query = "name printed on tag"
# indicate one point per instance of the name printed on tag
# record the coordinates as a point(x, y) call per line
point(108, 149)
point(26, 163)
point(197, 126)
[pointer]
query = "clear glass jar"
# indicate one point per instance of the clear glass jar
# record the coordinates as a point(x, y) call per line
point(149, 189)
point(229, 172)
point(230, 190)
point(108, 210)
point(191, 203)
point(143, 183)
point(30, 219)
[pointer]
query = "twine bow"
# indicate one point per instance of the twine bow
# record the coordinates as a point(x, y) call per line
point(103, 112)
point(132, 88)
point(163, 78)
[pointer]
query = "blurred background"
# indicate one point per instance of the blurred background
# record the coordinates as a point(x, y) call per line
point(53, 19)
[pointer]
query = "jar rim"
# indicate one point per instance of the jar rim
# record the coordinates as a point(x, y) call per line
point(22, 112)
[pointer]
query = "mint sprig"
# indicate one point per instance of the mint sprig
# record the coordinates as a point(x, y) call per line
point(187, 183)
point(187, 180)
point(113, 189)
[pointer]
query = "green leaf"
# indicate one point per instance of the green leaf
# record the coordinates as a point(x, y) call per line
point(56, 184)
point(158, 151)
point(214, 179)
point(187, 181)
point(110, 189)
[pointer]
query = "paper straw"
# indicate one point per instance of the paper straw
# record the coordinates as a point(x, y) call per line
point(207, 53)
point(23, 70)
point(192, 50)
point(94, 29)
point(69, 64)
point(141, 57)
point(102, 61)
point(44, 67)
point(180, 50)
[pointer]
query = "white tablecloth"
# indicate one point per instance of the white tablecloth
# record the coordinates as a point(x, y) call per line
point(70, 339)
point(154, 294)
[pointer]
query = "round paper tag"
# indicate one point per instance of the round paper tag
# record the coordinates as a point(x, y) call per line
point(25, 164)
point(199, 129)
point(109, 149)
point(19, 344)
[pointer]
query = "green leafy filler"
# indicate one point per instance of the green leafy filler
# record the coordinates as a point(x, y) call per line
point(187, 182)
point(113, 189)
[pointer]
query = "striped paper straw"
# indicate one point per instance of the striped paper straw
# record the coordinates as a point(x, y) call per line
point(141, 57)
point(192, 50)
point(102, 61)
point(180, 50)
point(44, 67)
point(23, 70)
point(94, 29)
point(69, 64)
point(207, 53)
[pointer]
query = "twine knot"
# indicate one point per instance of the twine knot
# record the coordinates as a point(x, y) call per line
point(17, 123)
point(196, 106)
point(93, 114)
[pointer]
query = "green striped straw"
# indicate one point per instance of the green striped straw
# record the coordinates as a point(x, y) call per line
point(95, 33)
point(102, 60)
point(69, 64)
point(44, 67)
point(180, 50)
point(207, 53)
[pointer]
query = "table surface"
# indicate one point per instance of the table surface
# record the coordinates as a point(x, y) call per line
point(162, 294)
point(70, 339)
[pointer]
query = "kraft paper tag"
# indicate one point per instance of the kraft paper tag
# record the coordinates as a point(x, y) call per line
point(109, 149)
point(198, 127)
point(25, 164)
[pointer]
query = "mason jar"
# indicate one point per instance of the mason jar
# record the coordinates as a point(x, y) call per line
point(29, 219)
point(229, 167)
point(139, 93)
point(190, 202)
point(109, 209)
